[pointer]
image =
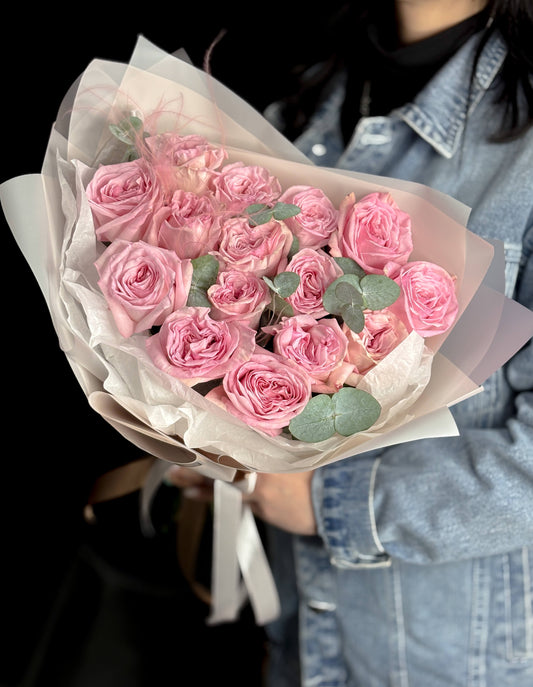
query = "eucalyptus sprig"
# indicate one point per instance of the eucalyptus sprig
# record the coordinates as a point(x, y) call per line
point(346, 412)
point(282, 286)
point(355, 291)
point(261, 213)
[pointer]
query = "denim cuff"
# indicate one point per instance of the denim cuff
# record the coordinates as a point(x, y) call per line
point(343, 495)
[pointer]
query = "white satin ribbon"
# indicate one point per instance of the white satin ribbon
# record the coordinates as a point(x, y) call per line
point(240, 567)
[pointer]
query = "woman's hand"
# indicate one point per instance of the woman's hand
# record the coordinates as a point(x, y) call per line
point(283, 500)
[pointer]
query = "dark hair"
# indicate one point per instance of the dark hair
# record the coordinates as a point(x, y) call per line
point(513, 19)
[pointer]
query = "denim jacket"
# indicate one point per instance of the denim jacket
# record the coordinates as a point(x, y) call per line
point(422, 572)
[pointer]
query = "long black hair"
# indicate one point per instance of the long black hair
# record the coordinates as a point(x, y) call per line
point(512, 19)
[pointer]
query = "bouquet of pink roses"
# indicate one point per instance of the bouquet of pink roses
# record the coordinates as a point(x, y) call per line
point(217, 294)
point(226, 305)
point(281, 299)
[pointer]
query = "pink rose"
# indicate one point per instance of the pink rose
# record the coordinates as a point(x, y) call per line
point(383, 331)
point(142, 284)
point(239, 295)
point(238, 185)
point(185, 162)
point(123, 198)
point(374, 232)
point(428, 297)
point(317, 218)
point(190, 150)
point(317, 346)
point(317, 270)
point(265, 392)
point(262, 249)
point(195, 348)
point(188, 225)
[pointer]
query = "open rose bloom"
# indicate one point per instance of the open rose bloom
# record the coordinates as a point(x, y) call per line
point(209, 156)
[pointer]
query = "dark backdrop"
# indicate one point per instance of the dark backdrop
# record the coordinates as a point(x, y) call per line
point(69, 620)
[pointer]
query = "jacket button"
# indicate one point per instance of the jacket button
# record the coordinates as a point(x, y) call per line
point(319, 149)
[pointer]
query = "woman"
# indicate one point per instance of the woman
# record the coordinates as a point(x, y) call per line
point(414, 564)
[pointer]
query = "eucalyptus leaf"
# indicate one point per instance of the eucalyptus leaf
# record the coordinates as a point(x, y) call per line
point(316, 421)
point(379, 291)
point(197, 298)
point(281, 307)
point(205, 272)
point(282, 211)
point(270, 283)
point(255, 207)
point(126, 130)
point(351, 279)
point(335, 300)
point(286, 283)
point(348, 293)
point(295, 247)
point(346, 412)
point(261, 213)
point(130, 154)
point(331, 303)
point(355, 410)
point(261, 217)
point(353, 317)
point(349, 266)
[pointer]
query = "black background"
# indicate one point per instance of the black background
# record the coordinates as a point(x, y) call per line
point(54, 446)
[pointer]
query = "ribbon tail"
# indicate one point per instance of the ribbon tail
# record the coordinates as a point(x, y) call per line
point(256, 571)
point(237, 548)
point(226, 593)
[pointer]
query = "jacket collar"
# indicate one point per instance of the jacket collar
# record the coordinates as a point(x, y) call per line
point(439, 112)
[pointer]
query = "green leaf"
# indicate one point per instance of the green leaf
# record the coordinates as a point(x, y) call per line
point(335, 298)
point(197, 298)
point(331, 303)
point(281, 307)
point(353, 317)
point(261, 218)
point(260, 213)
point(282, 286)
point(286, 283)
point(270, 283)
point(348, 293)
point(346, 412)
point(282, 211)
point(316, 421)
point(256, 207)
point(355, 411)
point(205, 272)
point(130, 154)
point(379, 291)
point(295, 247)
point(126, 130)
point(349, 266)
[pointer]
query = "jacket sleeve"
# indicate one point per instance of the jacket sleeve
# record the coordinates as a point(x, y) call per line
point(437, 500)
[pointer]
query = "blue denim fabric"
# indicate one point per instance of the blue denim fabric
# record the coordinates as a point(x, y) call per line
point(422, 572)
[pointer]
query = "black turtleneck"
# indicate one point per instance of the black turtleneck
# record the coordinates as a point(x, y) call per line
point(383, 75)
